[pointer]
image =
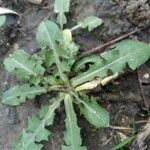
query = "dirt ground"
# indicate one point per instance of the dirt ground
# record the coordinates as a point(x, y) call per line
point(127, 99)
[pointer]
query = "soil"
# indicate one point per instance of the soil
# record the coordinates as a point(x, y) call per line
point(122, 98)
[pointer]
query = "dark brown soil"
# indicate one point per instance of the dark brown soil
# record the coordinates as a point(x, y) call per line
point(123, 98)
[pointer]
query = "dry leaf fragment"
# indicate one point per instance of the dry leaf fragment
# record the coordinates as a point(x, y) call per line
point(94, 83)
point(4, 11)
point(37, 2)
point(142, 140)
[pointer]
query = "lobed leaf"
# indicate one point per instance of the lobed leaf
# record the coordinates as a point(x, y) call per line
point(92, 111)
point(95, 114)
point(62, 51)
point(72, 134)
point(48, 33)
point(18, 94)
point(67, 51)
point(90, 22)
point(47, 36)
point(129, 52)
point(61, 7)
point(23, 65)
point(36, 131)
point(70, 48)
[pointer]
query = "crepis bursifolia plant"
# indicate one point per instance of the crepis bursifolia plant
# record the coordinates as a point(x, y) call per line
point(56, 71)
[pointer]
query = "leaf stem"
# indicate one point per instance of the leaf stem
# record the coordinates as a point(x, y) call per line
point(57, 88)
point(77, 97)
point(120, 128)
point(75, 27)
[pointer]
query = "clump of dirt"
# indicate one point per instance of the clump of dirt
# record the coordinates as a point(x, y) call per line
point(138, 11)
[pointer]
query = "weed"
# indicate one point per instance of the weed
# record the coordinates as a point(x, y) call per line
point(56, 69)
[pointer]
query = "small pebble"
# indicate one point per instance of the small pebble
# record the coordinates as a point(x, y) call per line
point(146, 76)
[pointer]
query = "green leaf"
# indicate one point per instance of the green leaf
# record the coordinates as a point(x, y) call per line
point(24, 138)
point(45, 109)
point(67, 36)
point(72, 134)
point(91, 22)
point(60, 7)
point(18, 94)
point(42, 132)
point(24, 65)
point(94, 113)
point(70, 48)
point(2, 20)
point(47, 57)
point(126, 53)
point(80, 65)
point(47, 36)
point(36, 131)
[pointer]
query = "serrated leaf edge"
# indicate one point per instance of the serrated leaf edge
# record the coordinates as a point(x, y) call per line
point(47, 116)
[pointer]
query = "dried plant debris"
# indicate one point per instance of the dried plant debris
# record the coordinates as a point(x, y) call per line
point(37, 2)
point(144, 81)
point(143, 138)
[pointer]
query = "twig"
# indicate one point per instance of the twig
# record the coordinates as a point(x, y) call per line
point(120, 128)
point(96, 49)
point(142, 121)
